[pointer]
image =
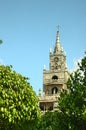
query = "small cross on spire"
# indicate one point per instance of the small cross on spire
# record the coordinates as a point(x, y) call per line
point(58, 28)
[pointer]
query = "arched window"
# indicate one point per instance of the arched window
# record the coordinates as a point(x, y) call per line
point(55, 77)
point(54, 90)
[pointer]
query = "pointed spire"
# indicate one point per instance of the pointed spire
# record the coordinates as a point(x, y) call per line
point(58, 47)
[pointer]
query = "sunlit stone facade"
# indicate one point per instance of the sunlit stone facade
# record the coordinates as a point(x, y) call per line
point(54, 79)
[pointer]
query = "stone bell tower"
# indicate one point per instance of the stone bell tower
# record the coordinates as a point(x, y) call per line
point(55, 78)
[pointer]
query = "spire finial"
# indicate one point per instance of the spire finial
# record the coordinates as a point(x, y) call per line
point(58, 28)
point(58, 47)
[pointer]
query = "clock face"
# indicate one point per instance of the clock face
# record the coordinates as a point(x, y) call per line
point(56, 59)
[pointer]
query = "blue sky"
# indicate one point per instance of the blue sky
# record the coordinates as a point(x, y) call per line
point(28, 30)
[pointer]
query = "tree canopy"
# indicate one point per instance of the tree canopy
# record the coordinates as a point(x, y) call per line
point(72, 102)
point(18, 101)
point(48, 121)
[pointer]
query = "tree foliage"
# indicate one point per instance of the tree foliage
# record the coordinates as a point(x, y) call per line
point(72, 102)
point(48, 121)
point(18, 101)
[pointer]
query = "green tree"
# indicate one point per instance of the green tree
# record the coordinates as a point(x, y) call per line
point(48, 121)
point(18, 101)
point(72, 102)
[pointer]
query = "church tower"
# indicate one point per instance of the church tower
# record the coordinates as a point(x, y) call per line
point(55, 78)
